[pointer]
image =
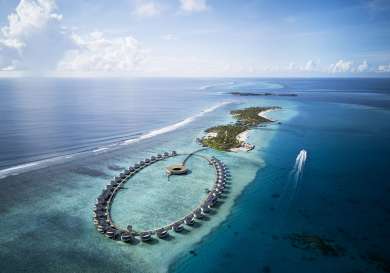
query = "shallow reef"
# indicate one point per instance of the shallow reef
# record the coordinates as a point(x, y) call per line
point(380, 261)
point(315, 242)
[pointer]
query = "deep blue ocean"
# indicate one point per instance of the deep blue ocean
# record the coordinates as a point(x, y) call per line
point(61, 139)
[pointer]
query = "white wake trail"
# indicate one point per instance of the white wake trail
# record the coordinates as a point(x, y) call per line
point(297, 171)
point(295, 175)
point(291, 187)
point(299, 165)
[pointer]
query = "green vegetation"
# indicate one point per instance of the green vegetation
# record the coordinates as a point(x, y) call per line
point(226, 135)
point(250, 116)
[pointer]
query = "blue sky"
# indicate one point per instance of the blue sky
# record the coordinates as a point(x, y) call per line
point(195, 38)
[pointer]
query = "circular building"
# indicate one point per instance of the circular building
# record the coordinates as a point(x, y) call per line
point(177, 169)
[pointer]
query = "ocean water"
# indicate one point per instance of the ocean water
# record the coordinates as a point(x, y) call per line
point(62, 139)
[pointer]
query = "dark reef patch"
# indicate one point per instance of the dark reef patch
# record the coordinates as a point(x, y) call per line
point(266, 269)
point(90, 172)
point(114, 167)
point(381, 262)
point(315, 242)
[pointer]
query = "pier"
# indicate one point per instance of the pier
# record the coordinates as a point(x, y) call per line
point(193, 153)
point(102, 209)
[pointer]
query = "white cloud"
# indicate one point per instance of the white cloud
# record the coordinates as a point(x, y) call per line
point(363, 67)
point(193, 5)
point(32, 36)
point(341, 67)
point(385, 68)
point(293, 67)
point(311, 65)
point(95, 53)
point(147, 9)
point(34, 40)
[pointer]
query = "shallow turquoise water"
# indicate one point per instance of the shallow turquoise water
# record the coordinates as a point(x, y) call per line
point(343, 194)
point(150, 200)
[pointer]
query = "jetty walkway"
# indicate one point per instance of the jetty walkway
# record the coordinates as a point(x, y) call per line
point(102, 209)
point(193, 153)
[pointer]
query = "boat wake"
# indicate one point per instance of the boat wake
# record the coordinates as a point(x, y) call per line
point(295, 176)
point(297, 171)
point(25, 167)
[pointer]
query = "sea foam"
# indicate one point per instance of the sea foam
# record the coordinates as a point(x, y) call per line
point(25, 167)
point(177, 125)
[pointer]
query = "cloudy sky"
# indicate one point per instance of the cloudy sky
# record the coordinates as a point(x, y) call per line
point(194, 38)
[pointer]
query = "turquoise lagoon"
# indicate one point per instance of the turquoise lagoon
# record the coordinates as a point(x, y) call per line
point(46, 209)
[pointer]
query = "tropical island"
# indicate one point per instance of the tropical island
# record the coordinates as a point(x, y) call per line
point(232, 137)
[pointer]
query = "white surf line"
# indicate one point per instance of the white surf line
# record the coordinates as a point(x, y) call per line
point(177, 125)
point(100, 149)
point(216, 85)
point(18, 169)
point(22, 168)
point(13, 170)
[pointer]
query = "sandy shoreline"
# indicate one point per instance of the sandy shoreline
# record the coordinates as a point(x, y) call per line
point(243, 137)
point(263, 114)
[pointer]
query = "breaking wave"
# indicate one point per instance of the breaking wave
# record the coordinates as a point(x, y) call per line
point(216, 85)
point(177, 125)
point(25, 167)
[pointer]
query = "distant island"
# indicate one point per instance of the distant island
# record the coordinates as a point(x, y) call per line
point(263, 94)
point(232, 137)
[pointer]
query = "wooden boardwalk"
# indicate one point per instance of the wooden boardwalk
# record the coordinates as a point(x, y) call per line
point(191, 154)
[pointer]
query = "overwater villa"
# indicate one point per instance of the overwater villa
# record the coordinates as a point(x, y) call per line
point(162, 233)
point(101, 209)
point(177, 227)
point(126, 236)
point(189, 220)
point(198, 214)
point(145, 236)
